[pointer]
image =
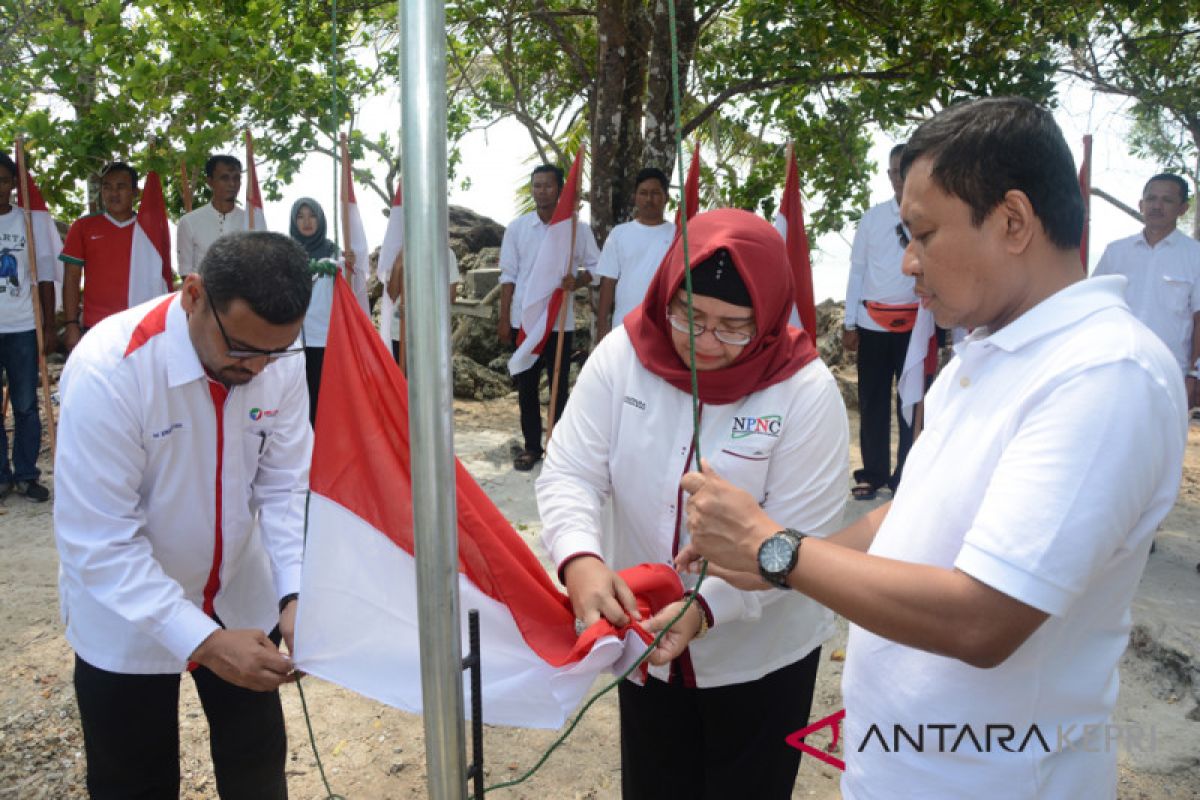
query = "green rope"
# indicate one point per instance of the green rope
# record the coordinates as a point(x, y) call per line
point(337, 123)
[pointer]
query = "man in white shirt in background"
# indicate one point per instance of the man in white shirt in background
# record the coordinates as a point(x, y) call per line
point(518, 251)
point(633, 251)
point(990, 600)
point(198, 229)
point(1162, 266)
point(182, 464)
point(880, 312)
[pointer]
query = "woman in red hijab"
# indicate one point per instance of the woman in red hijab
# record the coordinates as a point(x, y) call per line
point(735, 676)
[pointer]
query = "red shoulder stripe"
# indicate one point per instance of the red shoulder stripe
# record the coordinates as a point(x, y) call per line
point(151, 325)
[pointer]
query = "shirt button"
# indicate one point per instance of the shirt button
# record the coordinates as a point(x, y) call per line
point(964, 381)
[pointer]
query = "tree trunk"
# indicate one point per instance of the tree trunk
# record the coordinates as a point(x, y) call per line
point(660, 104)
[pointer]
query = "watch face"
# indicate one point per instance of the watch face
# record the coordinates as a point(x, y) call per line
point(776, 555)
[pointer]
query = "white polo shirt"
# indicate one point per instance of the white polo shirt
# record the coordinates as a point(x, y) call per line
point(626, 434)
point(159, 484)
point(1164, 286)
point(1051, 451)
point(875, 260)
point(198, 229)
point(631, 255)
point(519, 248)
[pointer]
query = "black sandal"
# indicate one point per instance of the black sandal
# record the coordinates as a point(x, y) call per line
point(864, 491)
point(525, 460)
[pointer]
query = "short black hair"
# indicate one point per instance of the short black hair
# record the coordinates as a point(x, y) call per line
point(896, 151)
point(652, 173)
point(267, 270)
point(558, 173)
point(1172, 178)
point(7, 163)
point(985, 148)
point(213, 162)
point(120, 166)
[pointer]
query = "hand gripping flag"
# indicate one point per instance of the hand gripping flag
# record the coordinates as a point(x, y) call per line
point(393, 245)
point(691, 189)
point(357, 618)
point(47, 243)
point(150, 256)
point(256, 218)
point(920, 363)
point(544, 295)
point(790, 224)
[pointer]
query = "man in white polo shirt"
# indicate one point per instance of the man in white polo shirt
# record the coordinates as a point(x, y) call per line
point(989, 600)
point(1162, 266)
point(198, 229)
point(633, 251)
point(182, 464)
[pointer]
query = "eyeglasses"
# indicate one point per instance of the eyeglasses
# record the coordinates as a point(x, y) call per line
point(242, 355)
point(902, 234)
point(737, 338)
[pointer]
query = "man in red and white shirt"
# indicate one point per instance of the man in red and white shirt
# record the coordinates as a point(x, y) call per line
point(182, 464)
point(101, 244)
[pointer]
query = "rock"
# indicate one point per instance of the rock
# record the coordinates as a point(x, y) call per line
point(487, 258)
point(480, 281)
point(471, 232)
point(473, 381)
point(475, 338)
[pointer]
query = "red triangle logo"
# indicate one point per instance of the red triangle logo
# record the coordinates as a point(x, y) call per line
point(834, 723)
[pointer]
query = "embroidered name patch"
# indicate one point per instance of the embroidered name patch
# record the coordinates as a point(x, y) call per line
point(262, 413)
point(750, 426)
point(633, 401)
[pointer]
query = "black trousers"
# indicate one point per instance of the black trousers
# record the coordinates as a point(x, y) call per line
point(715, 744)
point(527, 388)
point(131, 735)
point(314, 361)
point(880, 362)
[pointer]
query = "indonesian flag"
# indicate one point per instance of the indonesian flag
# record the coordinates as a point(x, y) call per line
point(356, 235)
point(920, 363)
point(357, 618)
point(393, 245)
point(790, 224)
point(1085, 188)
point(256, 218)
point(544, 295)
point(691, 188)
point(47, 243)
point(150, 257)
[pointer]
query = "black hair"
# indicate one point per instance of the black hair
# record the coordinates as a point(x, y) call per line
point(896, 151)
point(120, 166)
point(650, 173)
point(1175, 179)
point(210, 166)
point(558, 173)
point(985, 148)
point(267, 270)
point(7, 163)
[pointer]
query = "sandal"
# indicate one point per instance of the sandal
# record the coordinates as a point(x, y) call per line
point(863, 491)
point(525, 460)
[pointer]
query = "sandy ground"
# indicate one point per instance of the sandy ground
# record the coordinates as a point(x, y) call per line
point(374, 752)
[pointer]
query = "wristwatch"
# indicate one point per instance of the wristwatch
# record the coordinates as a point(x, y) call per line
point(777, 556)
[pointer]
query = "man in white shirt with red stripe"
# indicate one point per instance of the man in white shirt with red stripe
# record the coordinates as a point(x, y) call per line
point(181, 471)
point(990, 601)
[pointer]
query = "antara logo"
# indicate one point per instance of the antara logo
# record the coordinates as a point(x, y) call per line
point(749, 426)
point(260, 413)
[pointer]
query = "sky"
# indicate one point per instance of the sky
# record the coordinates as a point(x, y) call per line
point(497, 161)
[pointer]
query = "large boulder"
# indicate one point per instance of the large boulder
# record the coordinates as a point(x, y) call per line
point(473, 381)
point(471, 232)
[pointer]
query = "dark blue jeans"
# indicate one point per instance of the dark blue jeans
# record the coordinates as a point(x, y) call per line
point(19, 360)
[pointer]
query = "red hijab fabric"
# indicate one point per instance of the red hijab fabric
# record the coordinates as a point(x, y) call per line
point(777, 351)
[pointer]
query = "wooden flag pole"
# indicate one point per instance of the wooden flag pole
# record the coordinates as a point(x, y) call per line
point(185, 187)
point(35, 292)
point(345, 203)
point(568, 297)
point(251, 180)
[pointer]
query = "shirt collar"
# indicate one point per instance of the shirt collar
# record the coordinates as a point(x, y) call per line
point(124, 224)
point(1171, 238)
point(183, 365)
point(1060, 310)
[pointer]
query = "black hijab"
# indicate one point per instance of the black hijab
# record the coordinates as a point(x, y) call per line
point(316, 245)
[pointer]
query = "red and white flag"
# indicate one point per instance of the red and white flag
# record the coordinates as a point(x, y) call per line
point(256, 218)
point(357, 618)
point(920, 363)
point(46, 241)
point(393, 245)
point(790, 224)
point(150, 256)
point(544, 295)
point(354, 235)
point(691, 189)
